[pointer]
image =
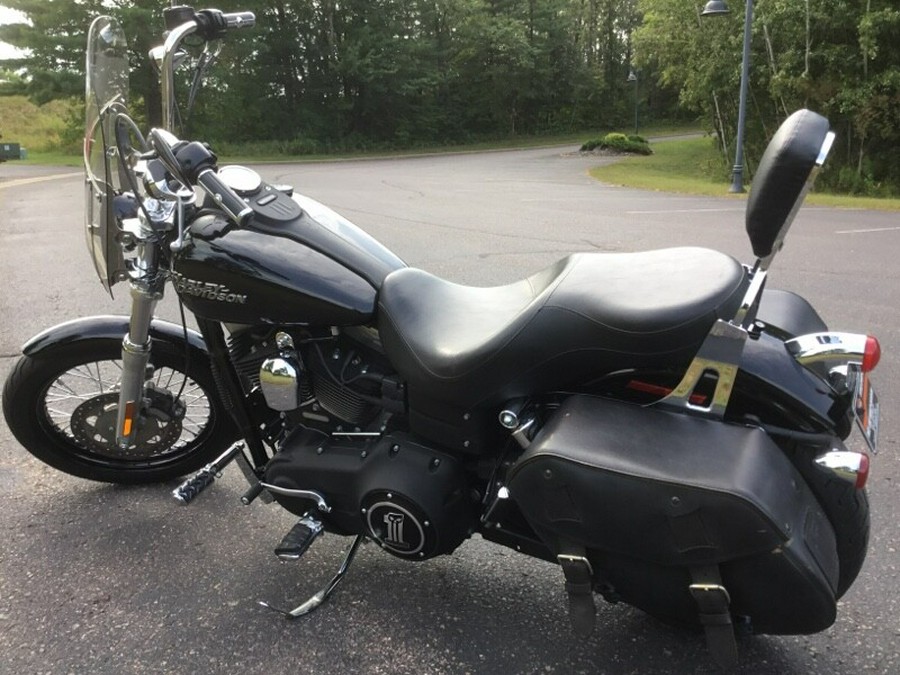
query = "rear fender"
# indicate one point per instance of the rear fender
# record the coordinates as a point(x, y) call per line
point(787, 315)
point(771, 381)
point(107, 327)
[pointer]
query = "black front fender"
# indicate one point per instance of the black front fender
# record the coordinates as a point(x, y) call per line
point(111, 327)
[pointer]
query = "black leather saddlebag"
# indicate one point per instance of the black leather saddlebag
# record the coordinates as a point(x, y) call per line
point(652, 495)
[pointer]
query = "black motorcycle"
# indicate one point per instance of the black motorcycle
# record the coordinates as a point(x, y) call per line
point(661, 425)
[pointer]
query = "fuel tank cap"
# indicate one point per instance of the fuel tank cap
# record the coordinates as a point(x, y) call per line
point(242, 180)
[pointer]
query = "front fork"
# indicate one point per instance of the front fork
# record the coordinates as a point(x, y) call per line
point(146, 290)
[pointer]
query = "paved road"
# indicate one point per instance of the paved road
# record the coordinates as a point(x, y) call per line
point(104, 579)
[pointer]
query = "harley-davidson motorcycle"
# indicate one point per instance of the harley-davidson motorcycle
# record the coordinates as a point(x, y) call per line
point(660, 424)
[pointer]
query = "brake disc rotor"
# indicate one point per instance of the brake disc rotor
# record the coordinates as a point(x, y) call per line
point(93, 425)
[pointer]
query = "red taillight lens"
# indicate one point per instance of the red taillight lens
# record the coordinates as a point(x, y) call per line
point(872, 355)
point(862, 475)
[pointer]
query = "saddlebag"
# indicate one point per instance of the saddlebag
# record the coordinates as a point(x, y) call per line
point(652, 496)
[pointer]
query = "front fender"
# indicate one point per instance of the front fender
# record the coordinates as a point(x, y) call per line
point(109, 326)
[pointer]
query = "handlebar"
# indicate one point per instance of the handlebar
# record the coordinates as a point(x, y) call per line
point(194, 163)
point(240, 19)
point(226, 198)
point(183, 21)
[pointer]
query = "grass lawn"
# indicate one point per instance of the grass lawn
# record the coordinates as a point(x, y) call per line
point(689, 166)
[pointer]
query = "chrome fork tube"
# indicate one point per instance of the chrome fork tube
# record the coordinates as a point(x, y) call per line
point(146, 291)
point(135, 357)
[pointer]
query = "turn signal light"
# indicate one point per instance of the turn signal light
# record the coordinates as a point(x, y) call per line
point(852, 467)
point(872, 354)
point(863, 475)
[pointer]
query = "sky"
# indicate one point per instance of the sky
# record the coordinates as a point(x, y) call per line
point(8, 16)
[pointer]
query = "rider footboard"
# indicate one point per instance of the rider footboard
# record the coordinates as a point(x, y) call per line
point(652, 496)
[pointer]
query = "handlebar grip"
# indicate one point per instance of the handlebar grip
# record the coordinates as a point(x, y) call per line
point(240, 19)
point(226, 198)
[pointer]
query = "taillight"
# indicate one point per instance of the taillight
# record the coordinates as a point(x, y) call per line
point(863, 474)
point(872, 354)
point(852, 467)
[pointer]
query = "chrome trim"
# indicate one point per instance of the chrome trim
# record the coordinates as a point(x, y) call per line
point(509, 419)
point(843, 464)
point(279, 376)
point(321, 504)
point(510, 416)
point(826, 148)
point(523, 432)
point(315, 528)
point(167, 70)
point(316, 600)
point(827, 348)
point(284, 340)
point(279, 380)
point(193, 486)
point(242, 180)
point(720, 353)
point(579, 559)
point(754, 290)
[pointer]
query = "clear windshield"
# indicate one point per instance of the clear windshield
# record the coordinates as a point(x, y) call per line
point(106, 91)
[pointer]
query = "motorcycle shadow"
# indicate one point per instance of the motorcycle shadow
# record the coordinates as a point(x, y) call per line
point(107, 578)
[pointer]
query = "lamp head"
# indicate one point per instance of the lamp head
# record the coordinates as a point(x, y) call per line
point(715, 8)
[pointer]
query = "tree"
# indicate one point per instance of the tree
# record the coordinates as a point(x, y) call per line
point(322, 73)
point(838, 57)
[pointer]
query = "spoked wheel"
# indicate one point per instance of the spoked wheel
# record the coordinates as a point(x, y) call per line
point(62, 405)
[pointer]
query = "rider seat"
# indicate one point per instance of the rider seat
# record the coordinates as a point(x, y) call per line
point(587, 315)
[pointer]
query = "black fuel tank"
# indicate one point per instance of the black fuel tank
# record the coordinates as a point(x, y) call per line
point(296, 262)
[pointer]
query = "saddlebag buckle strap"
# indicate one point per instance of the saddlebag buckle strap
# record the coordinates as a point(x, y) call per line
point(713, 603)
point(580, 589)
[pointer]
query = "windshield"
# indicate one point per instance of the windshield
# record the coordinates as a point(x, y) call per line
point(106, 91)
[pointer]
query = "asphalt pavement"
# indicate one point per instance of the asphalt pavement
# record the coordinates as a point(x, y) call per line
point(97, 578)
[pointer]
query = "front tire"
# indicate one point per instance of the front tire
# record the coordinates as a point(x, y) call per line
point(61, 406)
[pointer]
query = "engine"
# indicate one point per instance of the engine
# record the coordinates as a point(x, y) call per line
point(324, 381)
point(410, 499)
point(336, 396)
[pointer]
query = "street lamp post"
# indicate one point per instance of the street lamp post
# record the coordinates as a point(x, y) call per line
point(717, 8)
point(633, 77)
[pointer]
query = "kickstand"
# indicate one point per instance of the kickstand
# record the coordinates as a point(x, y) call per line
point(321, 596)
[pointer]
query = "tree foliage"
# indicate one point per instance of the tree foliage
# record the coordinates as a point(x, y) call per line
point(838, 57)
point(362, 72)
point(317, 74)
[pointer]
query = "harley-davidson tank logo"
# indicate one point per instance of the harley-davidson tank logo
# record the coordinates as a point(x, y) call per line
point(206, 290)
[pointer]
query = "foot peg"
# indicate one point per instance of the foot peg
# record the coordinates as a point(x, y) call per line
point(322, 595)
point(193, 486)
point(299, 539)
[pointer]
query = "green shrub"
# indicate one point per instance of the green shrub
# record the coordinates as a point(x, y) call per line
point(616, 142)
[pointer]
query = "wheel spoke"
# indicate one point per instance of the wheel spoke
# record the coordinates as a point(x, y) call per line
point(80, 404)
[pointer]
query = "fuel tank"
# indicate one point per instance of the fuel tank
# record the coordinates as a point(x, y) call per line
point(296, 262)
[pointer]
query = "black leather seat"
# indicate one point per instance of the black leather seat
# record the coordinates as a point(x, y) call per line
point(586, 315)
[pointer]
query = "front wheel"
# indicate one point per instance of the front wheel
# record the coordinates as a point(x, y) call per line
point(61, 404)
